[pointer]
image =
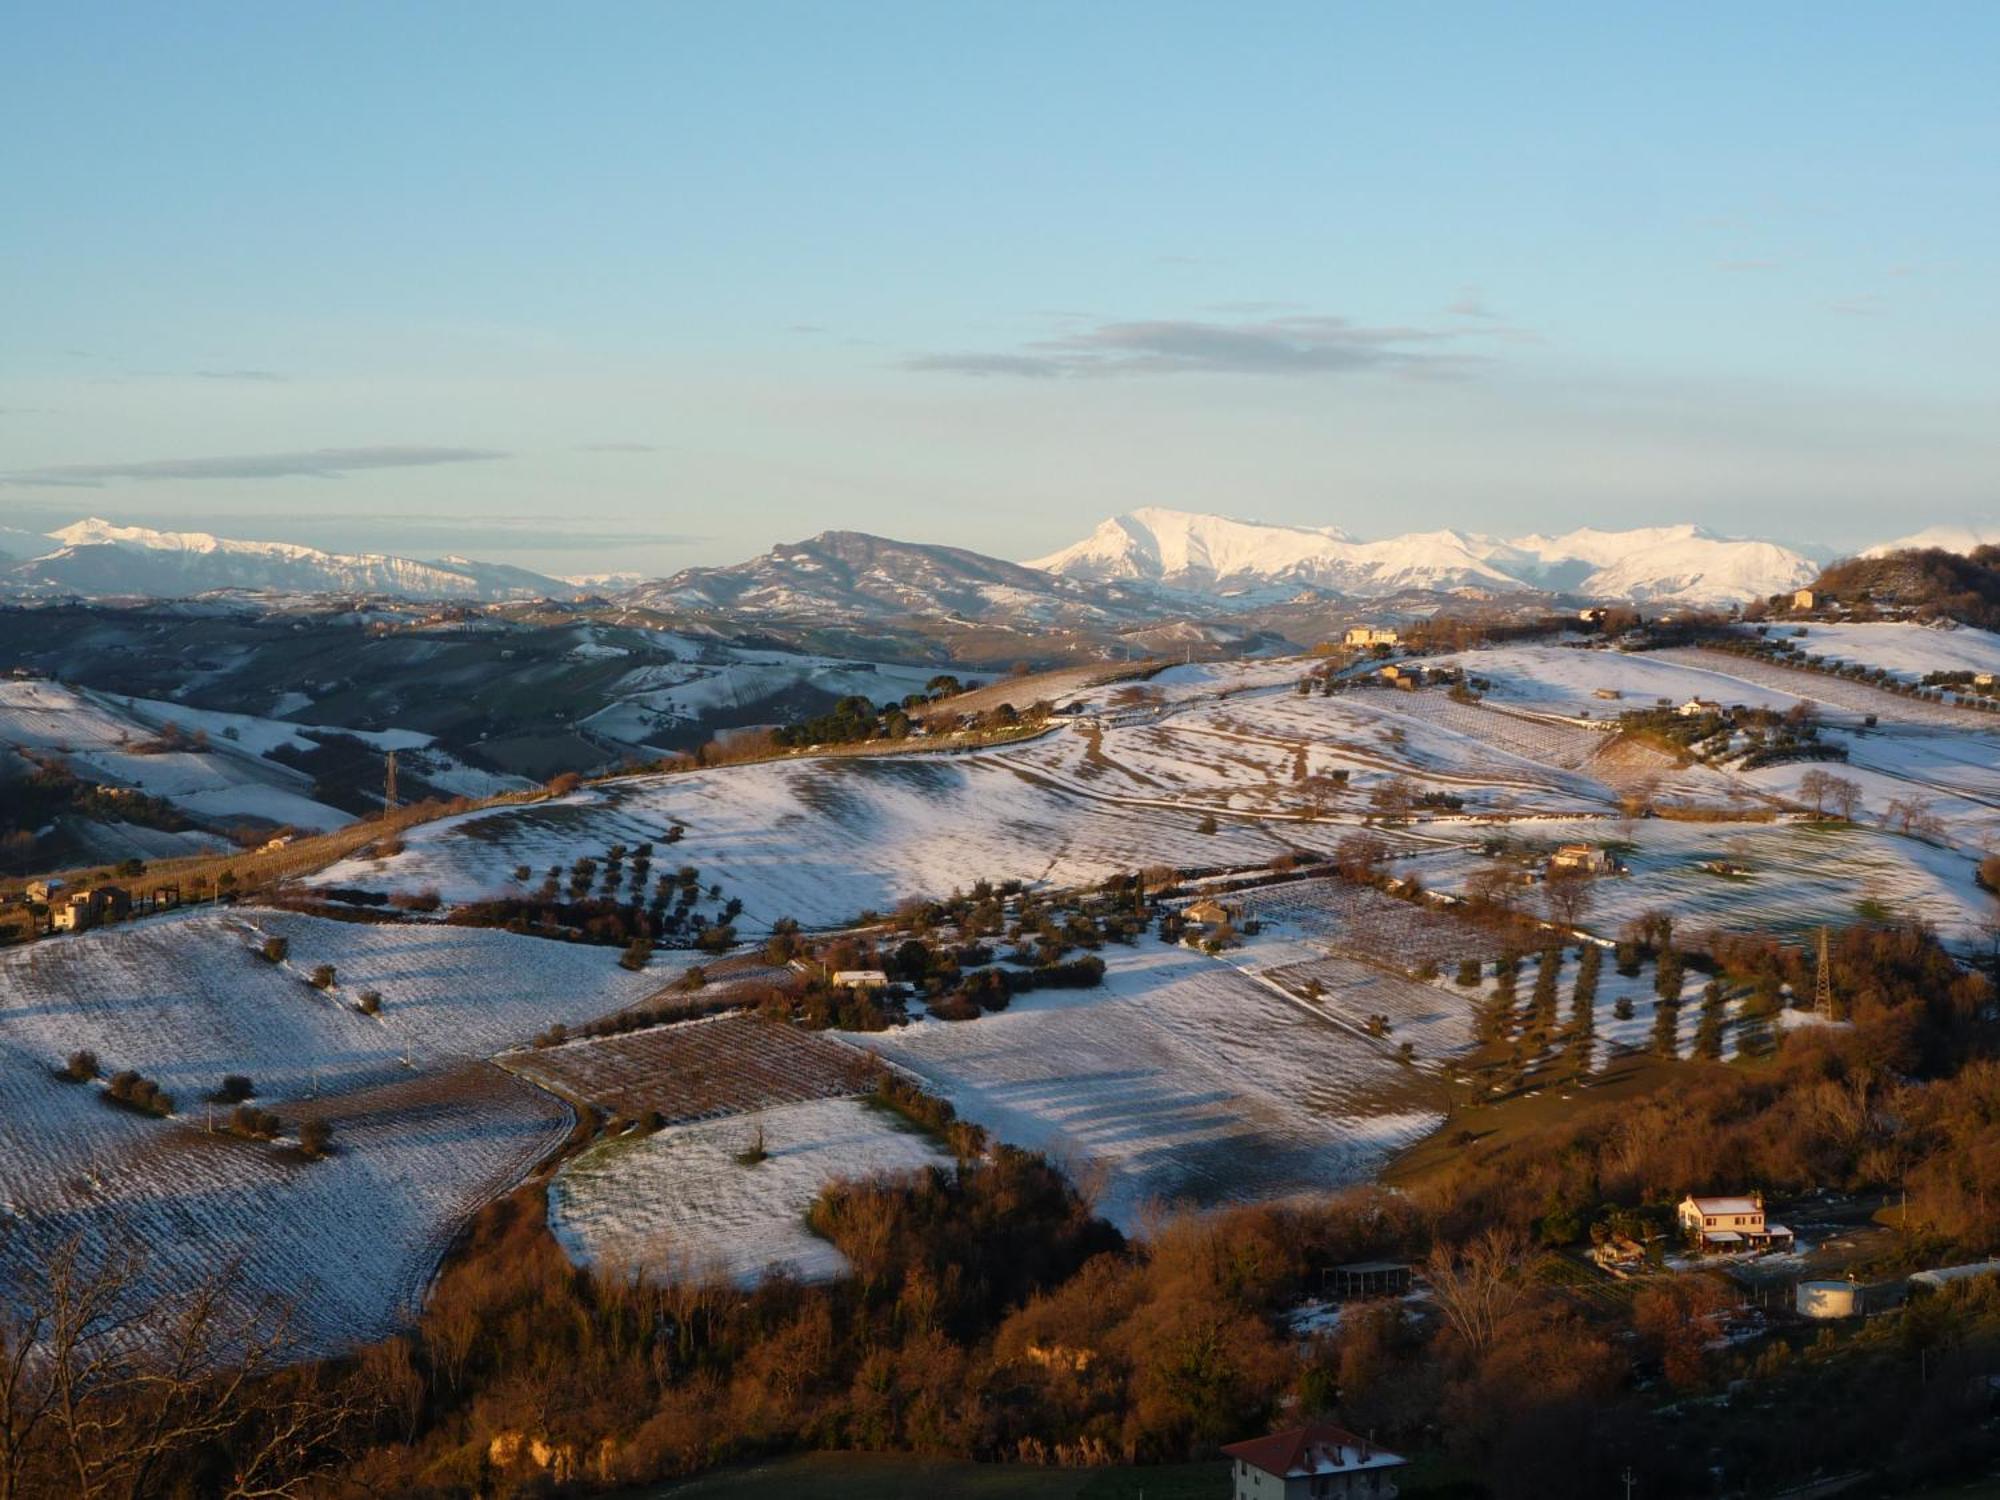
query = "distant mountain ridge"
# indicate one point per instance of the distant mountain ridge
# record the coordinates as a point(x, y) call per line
point(1144, 566)
point(99, 558)
point(1963, 540)
point(849, 577)
point(1215, 556)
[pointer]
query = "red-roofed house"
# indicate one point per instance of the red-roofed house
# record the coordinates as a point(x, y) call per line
point(1307, 1463)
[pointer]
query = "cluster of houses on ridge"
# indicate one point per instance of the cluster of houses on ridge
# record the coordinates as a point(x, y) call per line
point(48, 906)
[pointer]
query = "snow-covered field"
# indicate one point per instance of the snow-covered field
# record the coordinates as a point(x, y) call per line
point(1567, 679)
point(1799, 876)
point(424, 1131)
point(1907, 652)
point(1741, 678)
point(1181, 1081)
point(681, 1203)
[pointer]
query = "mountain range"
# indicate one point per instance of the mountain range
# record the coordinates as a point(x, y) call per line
point(97, 558)
point(1214, 557)
point(1145, 566)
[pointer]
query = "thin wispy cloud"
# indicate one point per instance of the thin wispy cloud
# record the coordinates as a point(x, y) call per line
point(317, 463)
point(1026, 365)
point(616, 448)
point(1471, 303)
point(263, 376)
point(1254, 309)
point(1865, 305)
point(1294, 345)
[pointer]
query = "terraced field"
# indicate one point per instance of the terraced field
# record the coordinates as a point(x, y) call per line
point(700, 1070)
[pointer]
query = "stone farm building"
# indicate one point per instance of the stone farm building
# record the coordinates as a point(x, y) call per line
point(82, 910)
point(1586, 858)
point(1209, 912)
point(1727, 1226)
point(860, 979)
point(1306, 1463)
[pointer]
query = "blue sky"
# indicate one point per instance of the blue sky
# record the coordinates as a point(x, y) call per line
point(640, 285)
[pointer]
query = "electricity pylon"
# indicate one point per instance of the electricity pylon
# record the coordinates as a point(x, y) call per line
point(1823, 981)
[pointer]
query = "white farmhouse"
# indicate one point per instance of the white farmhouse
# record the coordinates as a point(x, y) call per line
point(1307, 1463)
point(1370, 635)
point(1728, 1225)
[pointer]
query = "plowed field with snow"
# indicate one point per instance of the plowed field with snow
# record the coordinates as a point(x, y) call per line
point(424, 1131)
point(1181, 1081)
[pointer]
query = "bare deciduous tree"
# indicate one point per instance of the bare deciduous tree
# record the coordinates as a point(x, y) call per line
point(114, 1388)
point(1568, 894)
point(1358, 856)
point(1477, 1284)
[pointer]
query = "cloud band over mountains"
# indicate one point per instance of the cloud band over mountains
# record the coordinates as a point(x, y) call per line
point(316, 463)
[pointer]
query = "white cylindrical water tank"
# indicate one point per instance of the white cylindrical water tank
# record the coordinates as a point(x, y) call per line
point(1829, 1299)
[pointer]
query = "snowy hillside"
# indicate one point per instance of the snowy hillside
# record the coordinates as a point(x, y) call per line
point(1907, 652)
point(1205, 554)
point(98, 557)
point(219, 768)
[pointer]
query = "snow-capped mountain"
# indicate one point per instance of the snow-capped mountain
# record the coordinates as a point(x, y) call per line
point(1682, 564)
point(99, 558)
point(1215, 557)
point(1959, 539)
point(849, 576)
